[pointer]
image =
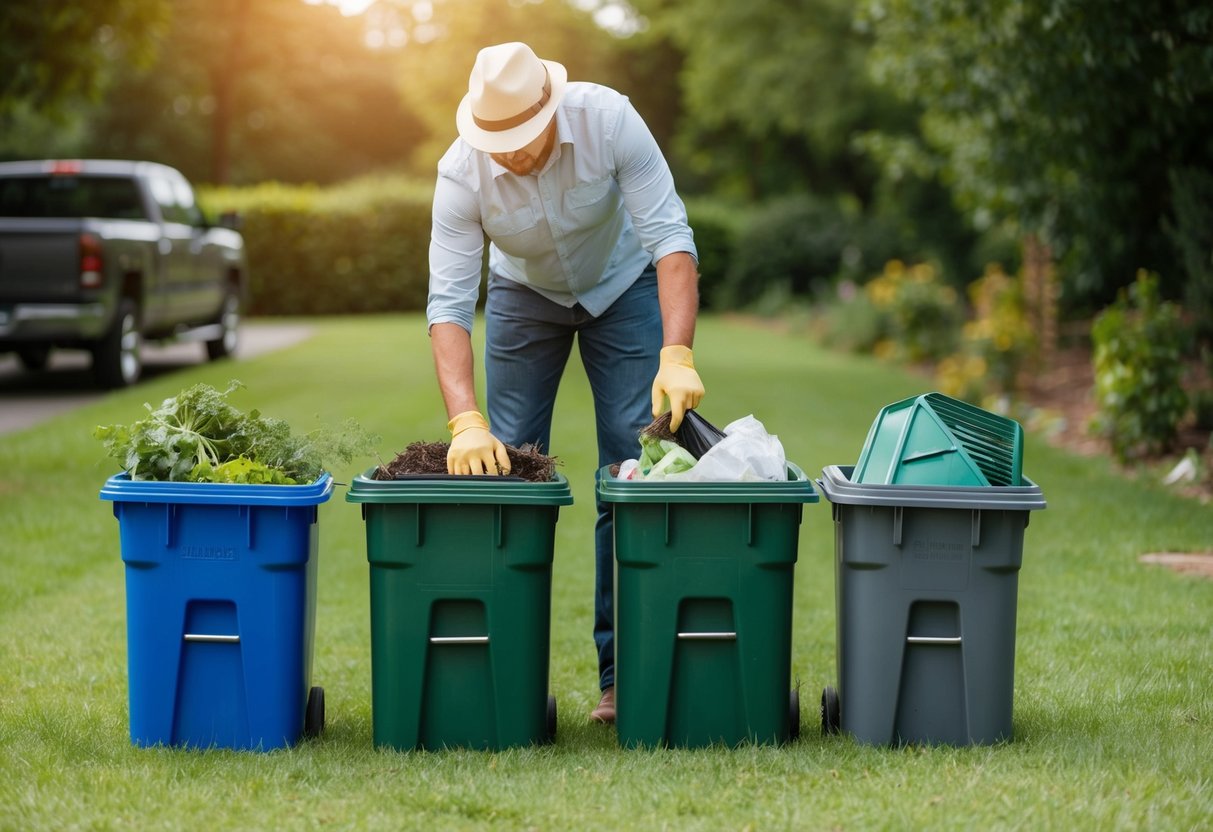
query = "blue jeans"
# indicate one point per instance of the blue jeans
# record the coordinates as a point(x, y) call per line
point(528, 341)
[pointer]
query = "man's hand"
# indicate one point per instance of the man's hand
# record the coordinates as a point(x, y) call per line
point(677, 379)
point(474, 450)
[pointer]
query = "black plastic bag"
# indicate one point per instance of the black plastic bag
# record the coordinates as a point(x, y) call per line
point(697, 434)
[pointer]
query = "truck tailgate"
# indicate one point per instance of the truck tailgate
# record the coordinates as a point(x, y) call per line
point(39, 264)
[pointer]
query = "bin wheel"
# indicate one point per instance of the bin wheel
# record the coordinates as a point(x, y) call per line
point(794, 716)
point(831, 718)
point(313, 719)
point(551, 719)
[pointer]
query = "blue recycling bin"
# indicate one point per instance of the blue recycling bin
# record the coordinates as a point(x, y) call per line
point(220, 610)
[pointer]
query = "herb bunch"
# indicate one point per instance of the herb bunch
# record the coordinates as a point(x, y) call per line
point(199, 436)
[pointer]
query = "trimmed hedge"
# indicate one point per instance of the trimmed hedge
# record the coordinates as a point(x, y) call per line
point(364, 246)
point(361, 247)
point(320, 263)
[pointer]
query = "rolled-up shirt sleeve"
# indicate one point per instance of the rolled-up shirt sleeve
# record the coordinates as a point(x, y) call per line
point(644, 177)
point(456, 246)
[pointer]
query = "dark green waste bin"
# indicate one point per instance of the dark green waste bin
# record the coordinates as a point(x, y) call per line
point(927, 581)
point(703, 609)
point(461, 579)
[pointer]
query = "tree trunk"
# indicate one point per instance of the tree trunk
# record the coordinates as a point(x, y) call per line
point(1040, 292)
point(224, 78)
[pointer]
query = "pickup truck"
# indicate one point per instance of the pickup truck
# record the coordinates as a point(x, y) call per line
point(103, 255)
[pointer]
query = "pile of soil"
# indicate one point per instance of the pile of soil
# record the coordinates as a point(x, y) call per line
point(429, 458)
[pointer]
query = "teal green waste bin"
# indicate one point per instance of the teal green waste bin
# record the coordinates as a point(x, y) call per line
point(926, 581)
point(703, 609)
point(460, 580)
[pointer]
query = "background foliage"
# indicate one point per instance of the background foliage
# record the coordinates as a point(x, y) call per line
point(948, 121)
point(1066, 116)
point(818, 139)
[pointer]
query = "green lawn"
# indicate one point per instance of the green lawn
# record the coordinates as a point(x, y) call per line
point(1114, 663)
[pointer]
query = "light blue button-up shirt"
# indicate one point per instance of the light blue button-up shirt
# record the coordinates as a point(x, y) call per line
point(581, 231)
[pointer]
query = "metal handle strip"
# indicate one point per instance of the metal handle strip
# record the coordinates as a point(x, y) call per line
point(708, 636)
point(459, 639)
point(212, 638)
point(932, 640)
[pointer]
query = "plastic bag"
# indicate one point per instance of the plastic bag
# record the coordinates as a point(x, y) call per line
point(747, 453)
point(697, 434)
point(629, 469)
point(677, 461)
point(660, 458)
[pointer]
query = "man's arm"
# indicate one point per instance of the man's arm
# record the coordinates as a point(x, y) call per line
point(456, 243)
point(678, 294)
point(474, 449)
point(453, 363)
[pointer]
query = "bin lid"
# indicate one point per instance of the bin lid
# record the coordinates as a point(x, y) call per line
point(838, 487)
point(934, 439)
point(121, 488)
point(459, 490)
point(798, 488)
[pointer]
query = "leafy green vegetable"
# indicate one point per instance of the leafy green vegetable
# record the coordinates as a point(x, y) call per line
point(198, 436)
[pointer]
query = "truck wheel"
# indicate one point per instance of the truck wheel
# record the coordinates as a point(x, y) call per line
point(118, 357)
point(229, 318)
point(34, 357)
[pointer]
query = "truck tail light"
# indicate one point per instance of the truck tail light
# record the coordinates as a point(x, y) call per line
point(92, 266)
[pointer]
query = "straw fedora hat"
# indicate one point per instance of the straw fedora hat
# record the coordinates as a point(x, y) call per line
point(511, 97)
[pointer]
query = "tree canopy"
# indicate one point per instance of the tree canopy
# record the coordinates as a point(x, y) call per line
point(1068, 116)
point(1085, 122)
point(55, 53)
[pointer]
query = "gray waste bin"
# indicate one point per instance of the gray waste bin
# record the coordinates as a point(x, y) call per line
point(926, 583)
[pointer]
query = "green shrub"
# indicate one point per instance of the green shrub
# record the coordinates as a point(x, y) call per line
point(1139, 346)
point(849, 320)
point(994, 345)
point(924, 316)
point(715, 224)
point(358, 247)
point(1202, 408)
point(1191, 233)
point(796, 242)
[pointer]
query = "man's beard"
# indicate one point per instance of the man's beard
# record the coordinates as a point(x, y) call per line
point(524, 164)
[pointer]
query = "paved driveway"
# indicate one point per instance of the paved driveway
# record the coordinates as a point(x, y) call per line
point(29, 398)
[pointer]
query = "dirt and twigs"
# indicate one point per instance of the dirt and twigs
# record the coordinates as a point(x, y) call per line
point(429, 459)
point(1185, 563)
point(659, 428)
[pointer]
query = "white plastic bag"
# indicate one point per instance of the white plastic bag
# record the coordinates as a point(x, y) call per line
point(747, 453)
point(629, 469)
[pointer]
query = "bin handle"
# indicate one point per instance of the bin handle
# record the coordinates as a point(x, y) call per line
point(720, 636)
point(459, 639)
point(933, 639)
point(205, 637)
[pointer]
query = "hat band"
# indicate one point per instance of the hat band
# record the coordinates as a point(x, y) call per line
point(526, 115)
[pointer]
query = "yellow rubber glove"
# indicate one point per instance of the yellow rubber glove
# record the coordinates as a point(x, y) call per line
point(677, 379)
point(474, 450)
